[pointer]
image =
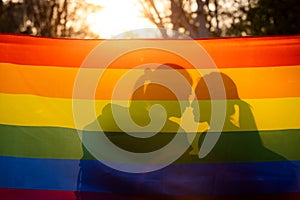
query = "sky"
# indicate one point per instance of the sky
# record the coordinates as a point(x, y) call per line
point(117, 17)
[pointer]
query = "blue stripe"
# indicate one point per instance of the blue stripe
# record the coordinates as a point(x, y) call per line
point(176, 179)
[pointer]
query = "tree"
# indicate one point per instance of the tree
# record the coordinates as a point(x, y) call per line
point(196, 18)
point(213, 18)
point(271, 17)
point(53, 18)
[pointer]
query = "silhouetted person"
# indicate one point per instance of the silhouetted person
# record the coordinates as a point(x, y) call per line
point(150, 93)
point(94, 175)
point(246, 166)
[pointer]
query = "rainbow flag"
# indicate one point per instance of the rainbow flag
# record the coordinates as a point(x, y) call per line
point(42, 151)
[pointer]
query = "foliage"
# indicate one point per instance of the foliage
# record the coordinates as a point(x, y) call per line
point(271, 17)
point(213, 18)
point(195, 18)
point(53, 18)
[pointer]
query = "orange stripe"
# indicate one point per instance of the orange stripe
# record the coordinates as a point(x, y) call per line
point(275, 82)
point(226, 53)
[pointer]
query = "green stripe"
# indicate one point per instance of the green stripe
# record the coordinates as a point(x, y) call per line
point(39, 142)
point(64, 143)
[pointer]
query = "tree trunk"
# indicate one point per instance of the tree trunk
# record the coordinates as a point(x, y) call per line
point(203, 32)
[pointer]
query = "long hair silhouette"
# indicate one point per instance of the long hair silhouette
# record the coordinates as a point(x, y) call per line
point(240, 143)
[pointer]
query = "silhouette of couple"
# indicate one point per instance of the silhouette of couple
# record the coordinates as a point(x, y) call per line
point(239, 142)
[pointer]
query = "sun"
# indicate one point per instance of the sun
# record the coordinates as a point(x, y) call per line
point(118, 17)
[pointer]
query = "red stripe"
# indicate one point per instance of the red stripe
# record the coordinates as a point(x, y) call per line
point(227, 53)
point(17, 194)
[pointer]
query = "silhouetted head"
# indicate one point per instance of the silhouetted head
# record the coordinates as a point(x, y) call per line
point(166, 85)
point(233, 103)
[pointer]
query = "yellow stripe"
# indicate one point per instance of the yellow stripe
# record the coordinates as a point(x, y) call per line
point(29, 110)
